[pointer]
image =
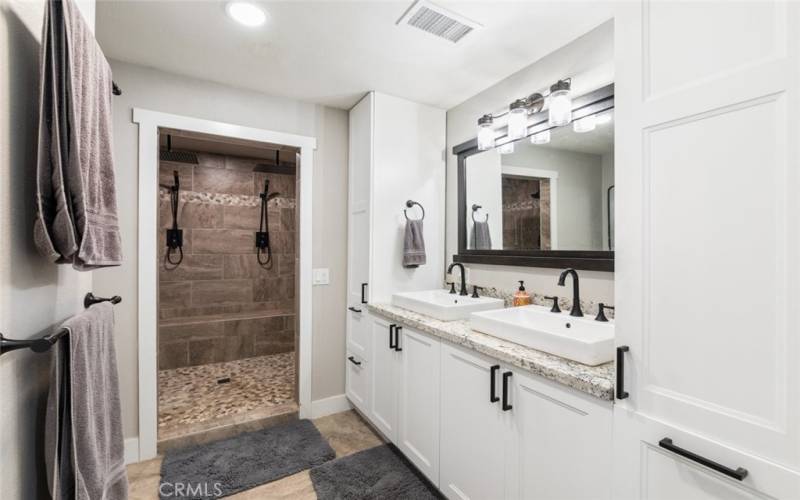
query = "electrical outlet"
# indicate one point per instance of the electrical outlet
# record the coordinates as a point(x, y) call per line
point(321, 276)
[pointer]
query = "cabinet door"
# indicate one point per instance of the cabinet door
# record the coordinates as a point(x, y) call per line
point(383, 396)
point(562, 443)
point(473, 429)
point(420, 362)
point(357, 381)
point(708, 368)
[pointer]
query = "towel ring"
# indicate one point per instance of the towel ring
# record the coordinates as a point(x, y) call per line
point(475, 208)
point(410, 204)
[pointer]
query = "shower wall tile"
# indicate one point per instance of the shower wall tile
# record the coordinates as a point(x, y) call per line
point(174, 295)
point(199, 215)
point(243, 164)
point(195, 267)
point(246, 266)
point(272, 289)
point(283, 184)
point(287, 264)
point(204, 351)
point(274, 343)
point(174, 333)
point(223, 241)
point(211, 160)
point(172, 355)
point(221, 292)
point(236, 217)
point(227, 181)
point(287, 219)
point(166, 175)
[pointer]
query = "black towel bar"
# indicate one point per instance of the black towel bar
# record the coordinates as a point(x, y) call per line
point(410, 204)
point(44, 344)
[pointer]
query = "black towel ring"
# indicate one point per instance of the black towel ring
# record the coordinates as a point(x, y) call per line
point(475, 208)
point(410, 204)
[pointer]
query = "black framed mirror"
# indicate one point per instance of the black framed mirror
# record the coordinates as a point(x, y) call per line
point(546, 200)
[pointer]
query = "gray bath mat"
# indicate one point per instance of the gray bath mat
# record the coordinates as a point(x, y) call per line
point(242, 462)
point(379, 473)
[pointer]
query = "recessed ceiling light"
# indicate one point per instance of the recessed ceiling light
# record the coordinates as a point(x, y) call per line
point(246, 13)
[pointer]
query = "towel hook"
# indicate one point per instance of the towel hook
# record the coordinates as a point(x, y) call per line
point(410, 204)
point(475, 208)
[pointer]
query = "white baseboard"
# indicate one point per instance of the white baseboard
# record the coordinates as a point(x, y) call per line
point(329, 406)
point(131, 450)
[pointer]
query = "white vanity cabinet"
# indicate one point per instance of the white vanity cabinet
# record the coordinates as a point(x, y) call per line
point(384, 381)
point(533, 440)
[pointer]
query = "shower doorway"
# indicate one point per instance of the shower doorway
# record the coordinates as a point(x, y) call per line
point(225, 333)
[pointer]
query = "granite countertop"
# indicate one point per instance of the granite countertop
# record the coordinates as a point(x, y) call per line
point(597, 381)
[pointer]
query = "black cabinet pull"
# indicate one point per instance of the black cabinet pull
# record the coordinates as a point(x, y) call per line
point(739, 473)
point(354, 309)
point(397, 338)
point(363, 293)
point(621, 350)
point(493, 383)
point(391, 335)
point(353, 360)
point(506, 376)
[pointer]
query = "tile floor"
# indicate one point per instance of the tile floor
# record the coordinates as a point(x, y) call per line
point(346, 432)
point(190, 400)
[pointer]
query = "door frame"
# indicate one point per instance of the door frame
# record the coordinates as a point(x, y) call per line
point(149, 122)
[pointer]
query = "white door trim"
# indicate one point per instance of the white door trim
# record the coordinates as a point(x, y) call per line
point(149, 123)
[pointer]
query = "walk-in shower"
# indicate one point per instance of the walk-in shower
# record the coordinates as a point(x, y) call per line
point(227, 309)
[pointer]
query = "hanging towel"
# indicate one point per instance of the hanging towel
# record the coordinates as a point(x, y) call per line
point(413, 244)
point(84, 449)
point(481, 235)
point(77, 219)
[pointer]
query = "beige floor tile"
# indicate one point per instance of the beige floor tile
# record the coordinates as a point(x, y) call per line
point(294, 487)
point(347, 433)
point(143, 478)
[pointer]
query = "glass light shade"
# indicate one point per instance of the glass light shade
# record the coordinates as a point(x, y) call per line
point(485, 136)
point(506, 148)
point(560, 113)
point(585, 124)
point(605, 118)
point(541, 137)
point(517, 123)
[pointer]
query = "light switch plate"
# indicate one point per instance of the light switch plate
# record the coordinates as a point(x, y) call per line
point(321, 276)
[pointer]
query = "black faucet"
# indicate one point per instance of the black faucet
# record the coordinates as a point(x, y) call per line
point(463, 278)
point(576, 294)
point(601, 315)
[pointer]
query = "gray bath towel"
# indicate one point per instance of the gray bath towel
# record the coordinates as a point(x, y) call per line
point(413, 244)
point(481, 235)
point(84, 449)
point(77, 220)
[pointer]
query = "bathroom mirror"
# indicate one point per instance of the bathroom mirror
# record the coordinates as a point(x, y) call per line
point(545, 200)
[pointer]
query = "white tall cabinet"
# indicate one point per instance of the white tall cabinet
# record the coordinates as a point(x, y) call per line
point(708, 239)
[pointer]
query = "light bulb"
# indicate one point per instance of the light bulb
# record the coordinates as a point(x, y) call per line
point(485, 133)
point(506, 148)
point(585, 124)
point(541, 137)
point(560, 104)
point(517, 119)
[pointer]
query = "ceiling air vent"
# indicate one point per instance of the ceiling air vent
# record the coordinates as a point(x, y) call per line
point(438, 21)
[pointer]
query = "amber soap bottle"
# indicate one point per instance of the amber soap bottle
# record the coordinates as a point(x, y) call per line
point(522, 298)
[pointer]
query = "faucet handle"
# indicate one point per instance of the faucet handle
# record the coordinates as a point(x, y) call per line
point(452, 286)
point(601, 315)
point(555, 307)
point(475, 289)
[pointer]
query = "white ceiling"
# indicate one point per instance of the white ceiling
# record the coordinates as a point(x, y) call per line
point(333, 52)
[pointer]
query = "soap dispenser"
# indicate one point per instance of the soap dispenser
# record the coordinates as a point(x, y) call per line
point(522, 298)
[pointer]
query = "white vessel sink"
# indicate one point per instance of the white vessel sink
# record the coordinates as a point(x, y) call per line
point(443, 305)
point(580, 339)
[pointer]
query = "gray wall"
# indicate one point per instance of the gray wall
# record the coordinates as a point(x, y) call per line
point(159, 91)
point(589, 60)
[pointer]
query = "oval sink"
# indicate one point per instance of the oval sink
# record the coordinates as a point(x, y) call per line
point(443, 305)
point(580, 339)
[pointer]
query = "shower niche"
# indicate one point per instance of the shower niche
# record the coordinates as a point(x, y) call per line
point(227, 348)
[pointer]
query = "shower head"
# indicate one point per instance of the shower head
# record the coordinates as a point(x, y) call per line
point(176, 156)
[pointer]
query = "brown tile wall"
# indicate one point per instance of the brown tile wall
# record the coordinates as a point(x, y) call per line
point(220, 304)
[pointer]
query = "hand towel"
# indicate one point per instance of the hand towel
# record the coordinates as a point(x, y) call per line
point(76, 199)
point(83, 431)
point(481, 235)
point(413, 244)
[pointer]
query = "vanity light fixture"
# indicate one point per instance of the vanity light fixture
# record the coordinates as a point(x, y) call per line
point(506, 149)
point(246, 13)
point(541, 138)
point(585, 124)
point(485, 133)
point(518, 112)
point(560, 103)
point(604, 118)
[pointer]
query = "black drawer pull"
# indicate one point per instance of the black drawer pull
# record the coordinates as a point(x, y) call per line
point(397, 338)
point(493, 383)
point(739, 474)
point(621, 350)
point(363, 293)
point(506, 376)
point(354, 309)
point(353, 360)
point(391, 335)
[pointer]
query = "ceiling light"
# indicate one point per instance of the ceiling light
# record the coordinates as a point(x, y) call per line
point(560, 103)
point(485, 133)
point(585, 124)
point(541, 138)
point(506, 148)
point(246, 13)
